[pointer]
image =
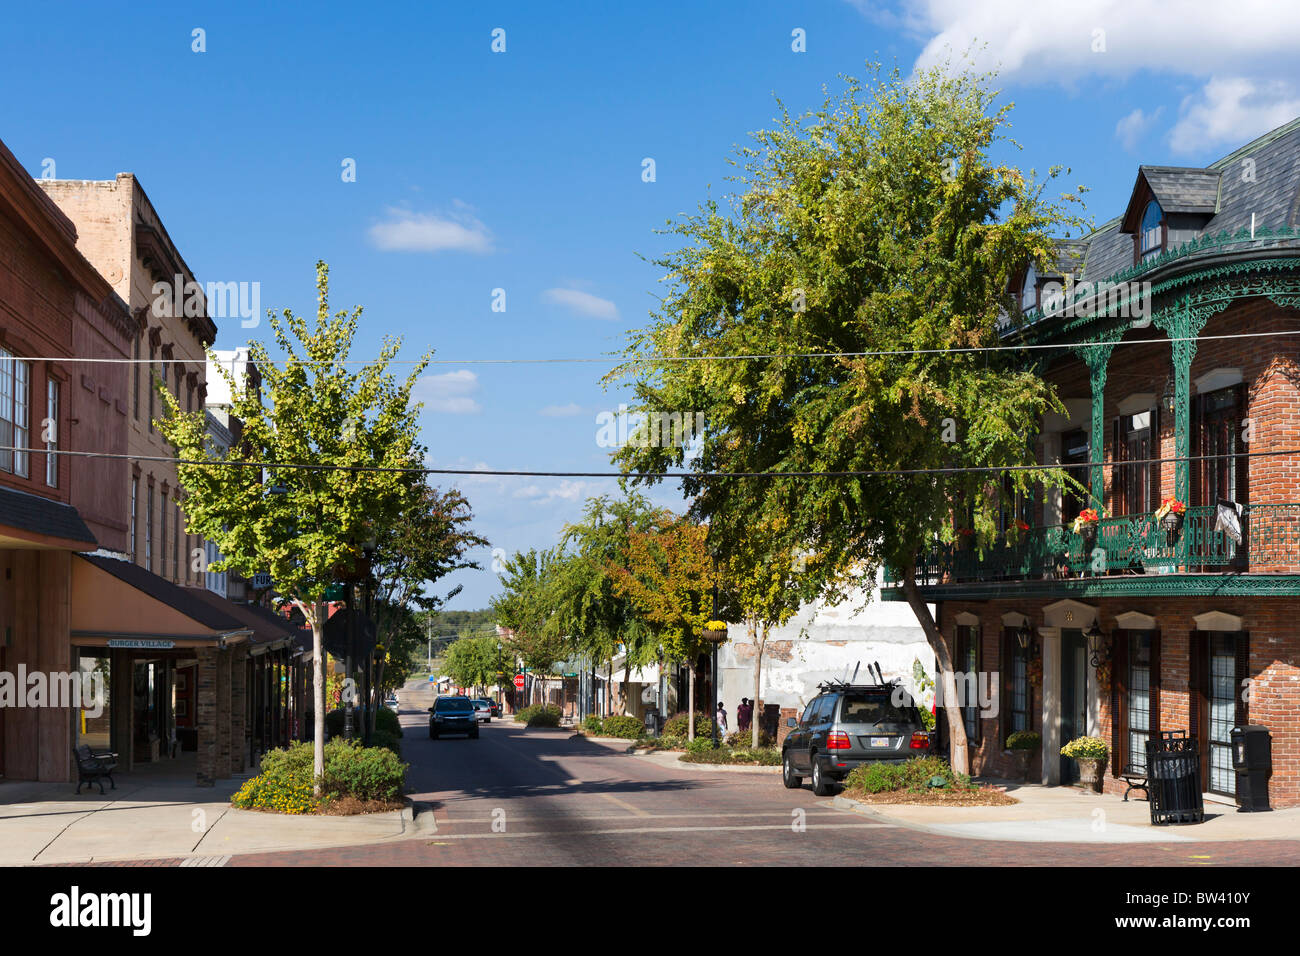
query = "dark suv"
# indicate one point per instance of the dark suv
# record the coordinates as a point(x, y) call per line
point(847, 726)
point(453, 715)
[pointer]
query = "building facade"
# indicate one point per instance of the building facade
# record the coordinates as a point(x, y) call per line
point(1170, 335)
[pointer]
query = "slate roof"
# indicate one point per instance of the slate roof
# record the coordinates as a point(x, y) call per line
point(160, 589)
point(27, 512)
point(1228, 191)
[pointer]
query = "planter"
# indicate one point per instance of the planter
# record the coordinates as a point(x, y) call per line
point(1023, 759)
point(1092, 771)
point(1088, 533)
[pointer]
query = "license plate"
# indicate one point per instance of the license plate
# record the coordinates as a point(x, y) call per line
point(882, 741)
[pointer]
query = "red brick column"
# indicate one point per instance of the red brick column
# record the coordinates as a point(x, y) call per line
point(222, 762)
point(238, 705)
point(205, 679)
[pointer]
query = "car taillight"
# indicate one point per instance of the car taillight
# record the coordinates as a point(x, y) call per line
point(920, 741)
point(838, 741)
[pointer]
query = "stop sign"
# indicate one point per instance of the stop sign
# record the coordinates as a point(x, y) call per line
point(519, 681)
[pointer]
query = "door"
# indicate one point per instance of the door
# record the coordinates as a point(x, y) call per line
point(1074, 696)
point(802, 735)
point(1221, 708)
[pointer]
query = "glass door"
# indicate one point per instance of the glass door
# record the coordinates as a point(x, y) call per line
point(1223, 713)
point(1074, 696)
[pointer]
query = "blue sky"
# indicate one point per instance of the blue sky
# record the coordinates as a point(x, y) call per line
point(522, 170)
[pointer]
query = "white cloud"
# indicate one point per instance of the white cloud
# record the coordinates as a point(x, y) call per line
point(1232, 110)
point(561, 411)
point(565, 490)
point(1133, 127)
point(406, 231)
point(449, 392)
point(584, 303)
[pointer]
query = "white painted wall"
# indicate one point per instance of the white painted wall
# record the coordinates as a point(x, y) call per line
point(827, 643)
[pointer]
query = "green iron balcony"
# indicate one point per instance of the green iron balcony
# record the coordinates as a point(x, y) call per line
point(1127, 546)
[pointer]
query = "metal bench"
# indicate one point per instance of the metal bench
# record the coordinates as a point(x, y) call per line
point(94, 767)
point(1136, 780)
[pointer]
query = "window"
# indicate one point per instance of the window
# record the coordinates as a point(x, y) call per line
point(1132, 483)
point(1019, 685)
point(15, 379)
point(875, 709)
point(1151, 236)
point(1075, 450)
point(135, 494)
point(1139, 700)
point(176, 546)
point(52, 413)
point(1029, 290)
point(148, 531)
point(151, 390)
point(135, 382)
point(162, 535)
point(966, 666)
point(1223, 711)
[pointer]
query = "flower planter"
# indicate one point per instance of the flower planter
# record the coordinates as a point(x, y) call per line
point(1092, 771)
point(1089, 535)
point(1173, 525)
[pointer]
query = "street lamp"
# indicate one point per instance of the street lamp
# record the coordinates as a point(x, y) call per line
point(356, 581)
point(1094, 636)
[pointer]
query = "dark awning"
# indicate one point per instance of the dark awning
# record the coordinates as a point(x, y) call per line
point(32, 521)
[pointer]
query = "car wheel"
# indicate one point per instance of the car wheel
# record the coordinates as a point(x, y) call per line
point(821, 786)
point(791, 780)
point(433, 734)
point(474, 735)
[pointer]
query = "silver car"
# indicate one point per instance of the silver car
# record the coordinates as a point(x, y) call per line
point(482, 710)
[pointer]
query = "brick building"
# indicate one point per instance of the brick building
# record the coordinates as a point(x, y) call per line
point(1148, 629)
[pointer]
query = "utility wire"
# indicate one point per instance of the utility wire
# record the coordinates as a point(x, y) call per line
point(865, 473)
point(649, 360)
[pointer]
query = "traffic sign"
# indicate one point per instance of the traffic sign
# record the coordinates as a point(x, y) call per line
point(519, 681)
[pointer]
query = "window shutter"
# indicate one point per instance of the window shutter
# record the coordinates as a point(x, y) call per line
point(1119, 757)
point(1007, 703)
point(1196, 651)
point(1154, 683)
point(1243, 673)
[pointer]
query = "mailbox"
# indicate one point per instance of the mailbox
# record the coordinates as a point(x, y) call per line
point(1252, 759)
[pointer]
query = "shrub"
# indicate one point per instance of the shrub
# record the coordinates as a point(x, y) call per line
point(366, 773)
point(667, 742)
point(744, 739)
point(539, 715)
point(1024, 740)
point(591, 724)
point(621, 725)
point(386, 739)
point(767, 758)
point(1086, 748)
point(285, 781)
point(699, 745)
point(385, 719)
point(915, 775)
point(675, 726)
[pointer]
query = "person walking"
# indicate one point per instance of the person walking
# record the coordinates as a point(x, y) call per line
point(744, 713)
point(722, 718)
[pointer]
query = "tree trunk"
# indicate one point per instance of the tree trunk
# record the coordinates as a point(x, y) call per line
point(690, 701)
point(759, 645)
point(318, 695)
point(957, 745)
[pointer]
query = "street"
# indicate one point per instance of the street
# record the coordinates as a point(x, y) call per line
point(543, 798)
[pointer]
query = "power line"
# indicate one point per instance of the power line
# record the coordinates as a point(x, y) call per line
point(652, 359)
point(466, 472)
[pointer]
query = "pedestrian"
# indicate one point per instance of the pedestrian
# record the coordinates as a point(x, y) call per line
point(722, 718)
point(744, 713)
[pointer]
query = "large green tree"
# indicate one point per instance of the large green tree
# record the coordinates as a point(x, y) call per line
point(867, 254)
point(324, 463)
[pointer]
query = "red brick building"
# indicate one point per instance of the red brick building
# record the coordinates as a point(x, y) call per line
point(1172, 335)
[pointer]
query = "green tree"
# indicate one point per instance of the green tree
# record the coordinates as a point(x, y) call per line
point(319, 433)
point(473, 662)
point(868, 252)
point(527, 608)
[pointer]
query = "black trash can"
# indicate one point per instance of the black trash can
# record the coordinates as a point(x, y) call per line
point(651, 722)
point(1174, 779)
point(1252, 759)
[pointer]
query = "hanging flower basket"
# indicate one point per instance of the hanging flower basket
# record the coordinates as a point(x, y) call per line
point(1085, 526)
point(715, 632)
point(1170, 515)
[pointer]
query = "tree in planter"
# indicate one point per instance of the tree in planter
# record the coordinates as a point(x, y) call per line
point(670, 576)
point(868, 256)
point(320, 433)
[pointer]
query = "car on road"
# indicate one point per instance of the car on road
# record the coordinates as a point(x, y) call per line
point(851, 725)
point(453, 715)
point(496, 708)
point(483, 707)
point(391, 703)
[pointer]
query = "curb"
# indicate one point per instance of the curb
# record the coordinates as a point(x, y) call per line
point(679, 764)
point(418, 816)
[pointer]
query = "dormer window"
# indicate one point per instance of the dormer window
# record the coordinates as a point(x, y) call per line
point(1029, 290)
point(1151, 236)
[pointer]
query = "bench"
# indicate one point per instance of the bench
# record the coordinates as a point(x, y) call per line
point(94, 767)
point(1136, 780)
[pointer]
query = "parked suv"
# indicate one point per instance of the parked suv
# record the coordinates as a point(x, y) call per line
point(847, 726)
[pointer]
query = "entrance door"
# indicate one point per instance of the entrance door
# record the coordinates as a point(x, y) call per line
point(1074, 696)
point(1222, 708)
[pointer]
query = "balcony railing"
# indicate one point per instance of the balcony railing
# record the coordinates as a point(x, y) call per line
point(1136, 544)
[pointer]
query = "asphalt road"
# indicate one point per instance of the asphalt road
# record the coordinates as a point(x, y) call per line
point(541, 797)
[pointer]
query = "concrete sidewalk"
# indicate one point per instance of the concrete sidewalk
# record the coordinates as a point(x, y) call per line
point(1074, 815)
point(151, 816)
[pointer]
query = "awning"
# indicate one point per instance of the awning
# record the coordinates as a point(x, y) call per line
point(30, 521)
point(270, 630)
point(115, 602)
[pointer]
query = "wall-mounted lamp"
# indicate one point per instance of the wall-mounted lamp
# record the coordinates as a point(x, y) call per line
point(1095, 638)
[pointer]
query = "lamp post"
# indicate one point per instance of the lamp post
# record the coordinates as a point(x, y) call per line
point(1094, 636)
point(355, 583)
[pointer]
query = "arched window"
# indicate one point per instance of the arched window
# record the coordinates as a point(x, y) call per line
point(1152, 233)
point(1029, 291)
